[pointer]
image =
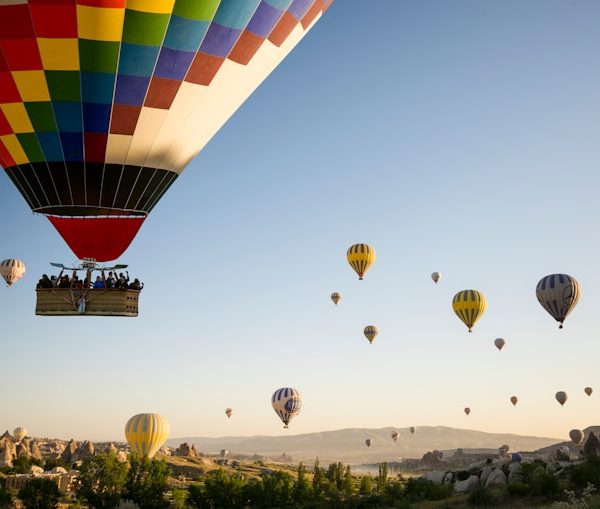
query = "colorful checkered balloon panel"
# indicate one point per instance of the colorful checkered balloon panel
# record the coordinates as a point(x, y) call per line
point(103, 103)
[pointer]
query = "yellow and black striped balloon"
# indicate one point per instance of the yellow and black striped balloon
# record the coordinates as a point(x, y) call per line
point(147, 433)
point(361, 257)
point(469, 306)
point(371, 333)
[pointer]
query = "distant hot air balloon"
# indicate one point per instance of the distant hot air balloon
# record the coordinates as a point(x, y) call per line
point(224, 453)
point(513, 400)
point(561, 397)
point(229, 412)
point(336, 297)
point(368, 442)
point(361, 257)
point(395, 435)
point(576, 436)
point(467, 410)
point(436, 276)
point(105, 102)
point(469, 306)
point(558, 294)
point(287, 403)
point(20, 433)
point(502, 450)
point(147, 433)
point(371, 333)
point(588, 391)
point(516, 457)
point(11, 269)
point(499, 342)
point(412, 429)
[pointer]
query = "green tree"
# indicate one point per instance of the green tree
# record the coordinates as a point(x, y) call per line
point(219, 490)
point(382, 478)
point(277, 489)
point(302, 486)
point(318, 480)
point(40, 494)
point(146, 483)
point(366, 485)
point(179, 499)
point(101, 480)
point(348, 484)
point(6, 498)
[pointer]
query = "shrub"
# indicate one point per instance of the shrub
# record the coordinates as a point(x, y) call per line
point(587, 472)
point(482, 497)
point(541, 483)
point(40, 494)
point(418, 489)
point(6, 498)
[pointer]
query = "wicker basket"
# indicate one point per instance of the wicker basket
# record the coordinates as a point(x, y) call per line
point(98, 302)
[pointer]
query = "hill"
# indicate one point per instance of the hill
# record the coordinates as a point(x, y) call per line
point(348, 445)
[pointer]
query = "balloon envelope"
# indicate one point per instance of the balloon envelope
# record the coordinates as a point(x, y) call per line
point(287, 403)
point(412, 429)
point(558, 294)
point(513, 400)
point(20, 433)
point(576, 436)
point(588, 391)
point(229, 412)
point(103, 103)
point(147, 433)
point(12, 270)
point(499, 343)
point(436, 276)
point(469, 306)
point(561, 397)
point(361, 257)
point(336, 297)
point(371, 332)
point(395, 435)
point(368, 442)
point(467, 410)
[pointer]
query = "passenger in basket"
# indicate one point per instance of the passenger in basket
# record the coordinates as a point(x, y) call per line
point(136, 285)
point(99, 283)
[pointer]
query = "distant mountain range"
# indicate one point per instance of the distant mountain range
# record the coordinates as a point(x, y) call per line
point(348, 445)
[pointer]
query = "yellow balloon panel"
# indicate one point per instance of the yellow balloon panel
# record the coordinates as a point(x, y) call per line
point(469, 306)
point(147, 433)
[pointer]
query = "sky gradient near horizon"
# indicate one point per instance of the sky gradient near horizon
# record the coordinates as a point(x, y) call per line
point(459, 137)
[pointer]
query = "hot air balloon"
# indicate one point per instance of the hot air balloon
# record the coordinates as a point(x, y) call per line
point(104, 103)
point(503, 450)
point(395, 435)
point(229, 412)
point(11, 269)
point(361, 257)
point(561, 397)
point(287, 403)
point(20, 433)
point(412, 429)
point(371, 333)
point(147, 433)
point(499, 342)
point(558, 294)
point(368, 442)
point(469, 305)
point(576, 436)
point(513, 400)
point(436, 276)
point(588, 391)
point(336, 297)
point(467, 410)
point(516, 457)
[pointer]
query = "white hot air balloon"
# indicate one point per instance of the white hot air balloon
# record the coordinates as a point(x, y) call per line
point(12, 270)
point(20, 433)
point(287, 403)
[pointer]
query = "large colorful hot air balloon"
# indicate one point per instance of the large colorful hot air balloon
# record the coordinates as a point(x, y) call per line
point(287, 403)
point(12, 270)
point(558, 294)
point(146, 433)
point(469, 306)
point(499, 343)
point(336, 297)
point(103, 103)
point(361, 257)
point(20, 433)
point(561, 397)
point(370, 333)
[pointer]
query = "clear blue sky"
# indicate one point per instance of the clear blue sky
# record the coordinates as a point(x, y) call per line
point(454, 136)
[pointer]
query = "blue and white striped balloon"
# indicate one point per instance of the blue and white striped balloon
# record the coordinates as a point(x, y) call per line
point(287, 403)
